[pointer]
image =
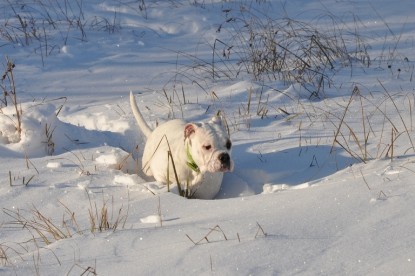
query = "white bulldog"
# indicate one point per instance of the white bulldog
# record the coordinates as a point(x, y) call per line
point(194, 154)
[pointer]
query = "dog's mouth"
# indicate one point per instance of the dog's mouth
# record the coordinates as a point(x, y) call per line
point(219, 167)
point(225, 169)
point(220, 163)
point(225, 162)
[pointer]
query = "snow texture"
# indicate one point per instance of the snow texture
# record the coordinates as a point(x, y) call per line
point(297, 202)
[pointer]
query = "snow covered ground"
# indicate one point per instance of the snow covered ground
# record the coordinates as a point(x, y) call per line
point(323, 180)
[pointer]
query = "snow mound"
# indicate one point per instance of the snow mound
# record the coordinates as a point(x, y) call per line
point(38, 126)
point(99, 121)
point(115, 158)
point(43, 133)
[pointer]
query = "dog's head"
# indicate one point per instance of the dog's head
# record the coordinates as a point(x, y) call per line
point(209, 146)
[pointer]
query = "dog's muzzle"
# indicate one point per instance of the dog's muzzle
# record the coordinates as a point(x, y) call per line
point(225, 162)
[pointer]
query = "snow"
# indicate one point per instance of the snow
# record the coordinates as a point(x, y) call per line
point(296, 202)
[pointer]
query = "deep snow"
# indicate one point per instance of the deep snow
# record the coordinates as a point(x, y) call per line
point(294, 203)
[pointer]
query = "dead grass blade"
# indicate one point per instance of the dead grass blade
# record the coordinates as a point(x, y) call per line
point(216, 229)
point(400, 115)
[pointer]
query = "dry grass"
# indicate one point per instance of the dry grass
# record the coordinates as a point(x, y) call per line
point(103, 219)
point(286, 49)
point(256, 44)
point(251, 44)
point(82, 270)
point(206, 238)
point(48, 25)
point(14, 180)
point(7, 252)
point(38, 225)
point(183, 188)
point(357, 133)
point(8, 87)
point(216, 234)
point(49, 230)
point(49, 144)
point(45, 230)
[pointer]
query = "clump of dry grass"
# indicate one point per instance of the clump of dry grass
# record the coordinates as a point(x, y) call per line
point(39, 226)
point(365, 140)
point(101, 219)
point(49, 230)
point(285, 49)
point(49, 24)
point(253, 44)
point(45, 230)
point(8, 87)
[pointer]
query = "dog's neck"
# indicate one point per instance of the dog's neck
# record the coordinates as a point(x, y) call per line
point(190, 161)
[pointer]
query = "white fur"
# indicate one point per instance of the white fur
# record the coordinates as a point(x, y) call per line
point(208, 144)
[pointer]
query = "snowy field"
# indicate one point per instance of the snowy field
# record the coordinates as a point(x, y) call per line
point(319, 99)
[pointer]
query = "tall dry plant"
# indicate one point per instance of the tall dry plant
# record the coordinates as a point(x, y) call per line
point(285, 49)
point(8, 87)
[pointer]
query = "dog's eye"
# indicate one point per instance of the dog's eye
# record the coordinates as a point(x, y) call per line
point(228, 144)
point(208, 147)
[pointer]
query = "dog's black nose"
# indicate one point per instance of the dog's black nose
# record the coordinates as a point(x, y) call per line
point(225, 162)
point(224, 158)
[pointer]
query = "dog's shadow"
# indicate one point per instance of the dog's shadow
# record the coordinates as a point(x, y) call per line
point(298, 167)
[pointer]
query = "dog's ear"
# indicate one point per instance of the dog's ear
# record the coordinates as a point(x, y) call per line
point(189, 129)
point(216, 120)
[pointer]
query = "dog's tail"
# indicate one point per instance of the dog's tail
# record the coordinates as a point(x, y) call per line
point(138, 117)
